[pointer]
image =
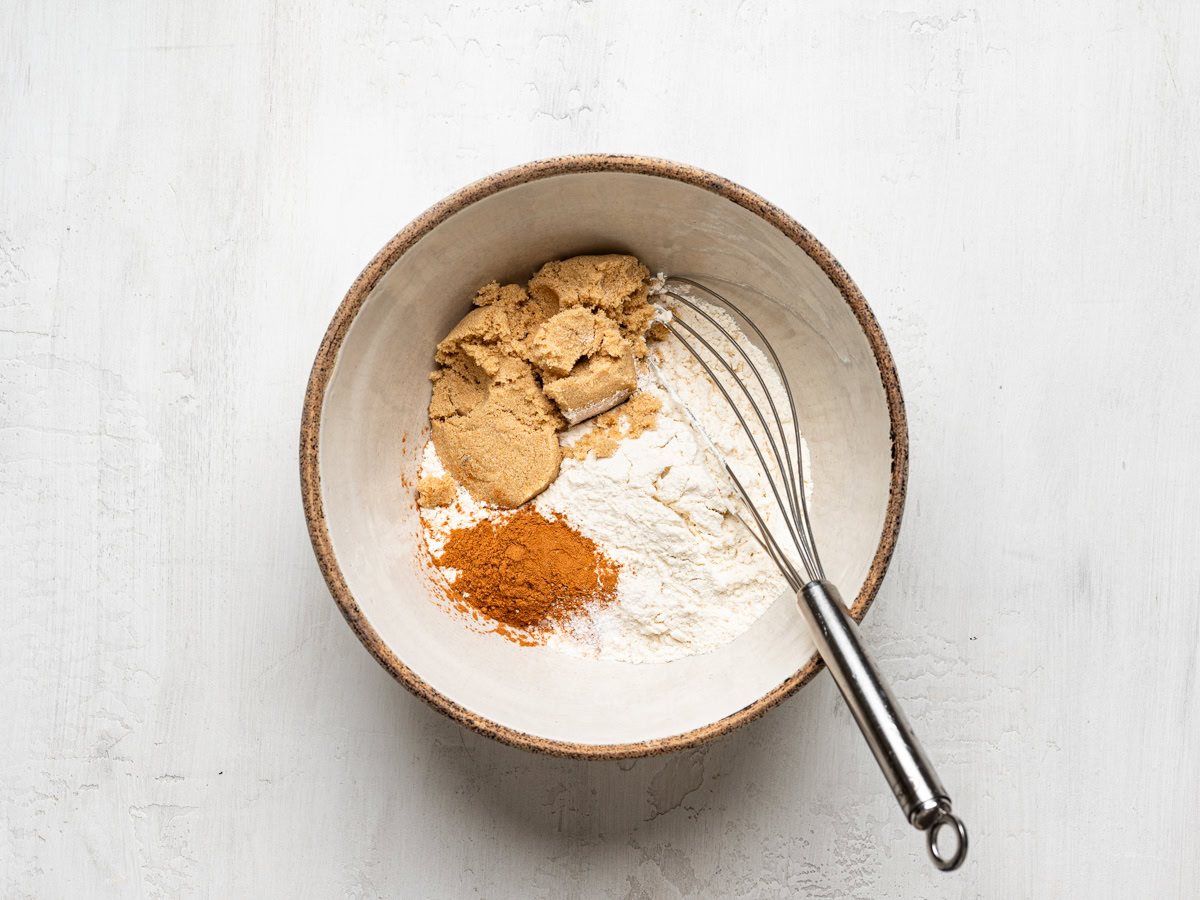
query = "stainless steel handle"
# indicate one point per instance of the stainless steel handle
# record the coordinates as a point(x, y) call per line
point(908, 771)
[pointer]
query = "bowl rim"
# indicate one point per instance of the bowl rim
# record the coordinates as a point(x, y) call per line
point(326, 358)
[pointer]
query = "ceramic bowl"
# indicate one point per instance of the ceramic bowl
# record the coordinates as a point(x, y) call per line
point(365, 416)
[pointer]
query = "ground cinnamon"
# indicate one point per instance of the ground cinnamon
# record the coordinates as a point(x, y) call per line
point(528, 571)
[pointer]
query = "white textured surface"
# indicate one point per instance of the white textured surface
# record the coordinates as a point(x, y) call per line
point(186, 192)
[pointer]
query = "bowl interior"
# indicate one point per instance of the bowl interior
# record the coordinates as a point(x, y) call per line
point(374, 414)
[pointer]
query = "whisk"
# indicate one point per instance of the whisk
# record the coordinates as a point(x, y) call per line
point(909, 773)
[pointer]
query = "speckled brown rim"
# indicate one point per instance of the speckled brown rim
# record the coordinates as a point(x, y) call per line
point(310, 435)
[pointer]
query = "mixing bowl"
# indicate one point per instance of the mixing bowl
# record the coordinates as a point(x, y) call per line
point(365, 420)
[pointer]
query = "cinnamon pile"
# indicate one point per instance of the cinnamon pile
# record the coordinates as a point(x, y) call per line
point(527, 571)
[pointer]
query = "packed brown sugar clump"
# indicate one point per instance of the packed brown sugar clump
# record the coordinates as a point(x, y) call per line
point(527, 571)
point(528, 362)
point(437, 490)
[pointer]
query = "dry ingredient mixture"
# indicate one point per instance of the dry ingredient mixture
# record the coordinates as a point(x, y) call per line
point(671, 571)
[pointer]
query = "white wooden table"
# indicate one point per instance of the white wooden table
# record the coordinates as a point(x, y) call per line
point(186, 190)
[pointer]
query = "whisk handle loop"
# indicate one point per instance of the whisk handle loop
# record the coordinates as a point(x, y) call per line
point(909, 773)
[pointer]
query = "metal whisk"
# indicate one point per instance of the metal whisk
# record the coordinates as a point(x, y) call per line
point(908, 771)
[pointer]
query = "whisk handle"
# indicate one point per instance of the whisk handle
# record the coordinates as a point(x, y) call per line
point(908, 771)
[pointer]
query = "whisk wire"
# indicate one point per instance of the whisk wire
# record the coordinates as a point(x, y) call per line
point(805, 520)
point(790, 575)
point(795, 511)
point(767, 534)
point(797, 537)
point(786, 466)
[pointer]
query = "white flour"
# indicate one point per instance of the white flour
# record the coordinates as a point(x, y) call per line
point(440, 521)
point(692, 577)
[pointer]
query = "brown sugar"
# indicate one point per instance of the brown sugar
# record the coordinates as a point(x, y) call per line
point(595, 385)
point(616, 285)
point(527, 571)
point(626, 422)
point(566, 336)
point(523, 365)
point(436, 490)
